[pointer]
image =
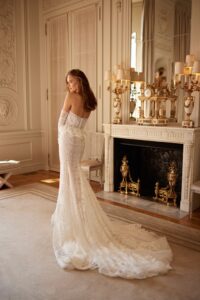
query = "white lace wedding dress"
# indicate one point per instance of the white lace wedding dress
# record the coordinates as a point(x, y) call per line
point(83, 235)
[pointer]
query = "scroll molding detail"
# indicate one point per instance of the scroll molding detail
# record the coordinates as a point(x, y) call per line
point(8, 110)
point(7, 45)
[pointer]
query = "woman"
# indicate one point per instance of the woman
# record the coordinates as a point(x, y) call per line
point(83, 235)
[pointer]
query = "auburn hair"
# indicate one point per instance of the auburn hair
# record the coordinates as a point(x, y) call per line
point(90, 101)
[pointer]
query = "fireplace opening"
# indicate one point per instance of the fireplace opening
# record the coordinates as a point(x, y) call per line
point(149, 162)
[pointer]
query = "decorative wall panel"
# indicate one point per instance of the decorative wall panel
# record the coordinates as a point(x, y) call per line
point(25, 147)
point(7, 45)
point(20, 84)
point(8, 110)
point(12, 66)
point(15, 150)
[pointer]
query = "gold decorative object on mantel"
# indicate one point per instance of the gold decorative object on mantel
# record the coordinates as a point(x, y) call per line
point(118, 82)
point(167, 194)
point(155, 96)
point(126, 186)
point(187, 76)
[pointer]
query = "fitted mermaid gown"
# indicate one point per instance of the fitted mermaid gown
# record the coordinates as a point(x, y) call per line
point(83, 235)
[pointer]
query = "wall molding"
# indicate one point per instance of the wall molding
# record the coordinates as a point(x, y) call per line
point(21, 134)
point(25, 146)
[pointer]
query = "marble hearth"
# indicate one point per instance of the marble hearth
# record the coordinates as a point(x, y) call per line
point(188, 137)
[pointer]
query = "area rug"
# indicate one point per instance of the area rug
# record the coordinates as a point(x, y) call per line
point(28, 269)
point(178, 233)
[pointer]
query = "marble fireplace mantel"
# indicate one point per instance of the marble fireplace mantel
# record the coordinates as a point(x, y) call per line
point(188, 137)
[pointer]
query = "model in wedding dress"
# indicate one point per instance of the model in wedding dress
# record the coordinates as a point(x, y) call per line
point(83, 235)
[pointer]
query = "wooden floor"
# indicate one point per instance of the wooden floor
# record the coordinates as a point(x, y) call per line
point(52, 178)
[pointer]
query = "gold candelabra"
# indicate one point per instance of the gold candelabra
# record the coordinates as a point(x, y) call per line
point(118, 82)
point(187, 77)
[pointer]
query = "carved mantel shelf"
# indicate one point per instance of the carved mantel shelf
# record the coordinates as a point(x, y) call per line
point(189, 137)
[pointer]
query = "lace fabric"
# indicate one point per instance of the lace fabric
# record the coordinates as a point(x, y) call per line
point(83, 235)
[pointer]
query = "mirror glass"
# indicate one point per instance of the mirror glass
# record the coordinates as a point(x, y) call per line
point(160, 35)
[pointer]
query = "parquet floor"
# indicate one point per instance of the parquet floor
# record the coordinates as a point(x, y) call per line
point(52, 178)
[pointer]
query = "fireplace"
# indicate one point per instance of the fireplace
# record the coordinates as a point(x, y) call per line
point(149, 162)
point(181, 143)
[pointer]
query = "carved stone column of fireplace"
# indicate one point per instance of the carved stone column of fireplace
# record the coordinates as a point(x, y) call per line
point(188, 137)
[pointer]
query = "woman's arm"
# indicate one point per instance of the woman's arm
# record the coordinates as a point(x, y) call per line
point(65, 110)
point(67, 103)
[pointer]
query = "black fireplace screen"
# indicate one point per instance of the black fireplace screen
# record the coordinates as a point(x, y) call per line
point(148, 161)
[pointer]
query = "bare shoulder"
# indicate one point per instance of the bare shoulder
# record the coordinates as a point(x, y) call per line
point(77, 105)
point(76, 101)
point(75, 97)
point(71, 100)
point(68, 102)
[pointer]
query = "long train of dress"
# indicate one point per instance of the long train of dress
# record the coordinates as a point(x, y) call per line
point(83, 235)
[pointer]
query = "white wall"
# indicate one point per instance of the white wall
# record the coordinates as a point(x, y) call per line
point(20, 112)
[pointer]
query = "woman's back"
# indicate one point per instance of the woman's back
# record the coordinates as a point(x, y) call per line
point(77, 106)
point(75, 120)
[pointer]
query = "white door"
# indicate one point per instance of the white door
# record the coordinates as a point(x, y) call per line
point(84, 48)
point(71, 43)
point(57, 64)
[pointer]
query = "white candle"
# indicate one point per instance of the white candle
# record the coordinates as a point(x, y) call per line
point(107, 75)
point(113, 77)
point(179, 67)
point(116, 68)
point(189, 60)
point(120, 74)
point(196, 67)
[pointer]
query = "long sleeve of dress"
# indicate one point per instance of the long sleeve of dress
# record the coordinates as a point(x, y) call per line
point(61, 122)
point(62, 119)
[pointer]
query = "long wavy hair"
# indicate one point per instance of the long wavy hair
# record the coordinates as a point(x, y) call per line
point(90, 101)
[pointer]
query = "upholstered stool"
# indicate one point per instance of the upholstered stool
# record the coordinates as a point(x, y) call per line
point(195, 188)
point(93, 165)
point(6, 170)
point(94, 161)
